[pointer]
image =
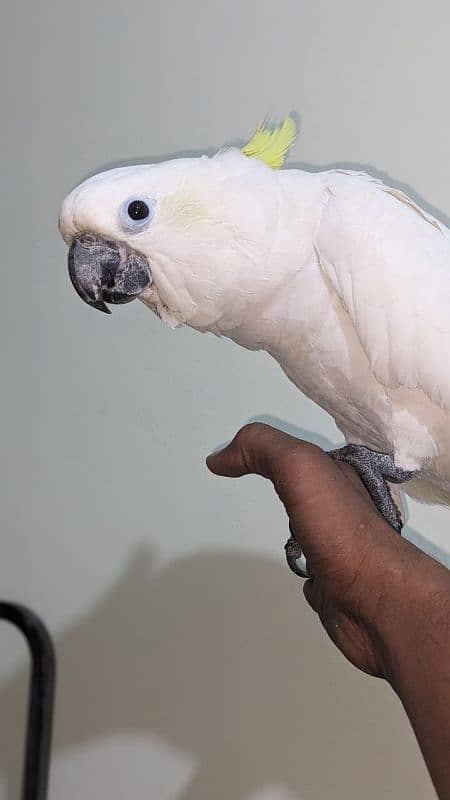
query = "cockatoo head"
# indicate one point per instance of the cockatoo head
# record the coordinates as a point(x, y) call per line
point(191, 237)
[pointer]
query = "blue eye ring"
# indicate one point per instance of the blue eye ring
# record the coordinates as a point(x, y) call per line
point(136, 213)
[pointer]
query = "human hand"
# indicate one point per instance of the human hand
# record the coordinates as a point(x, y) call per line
point(364, 576)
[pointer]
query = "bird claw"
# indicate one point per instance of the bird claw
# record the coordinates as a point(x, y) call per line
point(375, 470)
point(293, 556)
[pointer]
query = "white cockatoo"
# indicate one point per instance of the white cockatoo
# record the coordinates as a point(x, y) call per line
point(342, 279)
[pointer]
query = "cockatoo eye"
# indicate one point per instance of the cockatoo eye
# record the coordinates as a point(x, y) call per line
point(136, 213)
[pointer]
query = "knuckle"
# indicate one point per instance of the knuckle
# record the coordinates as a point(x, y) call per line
point(277, 453)
point(252, 441)
point(251, 433)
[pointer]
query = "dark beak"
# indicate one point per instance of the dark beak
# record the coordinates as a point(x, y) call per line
point(105, 271)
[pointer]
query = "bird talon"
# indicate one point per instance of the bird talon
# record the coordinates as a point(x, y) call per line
point(375, 470)
point(293, 556)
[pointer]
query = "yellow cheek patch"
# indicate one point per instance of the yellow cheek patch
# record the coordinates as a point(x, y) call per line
point(182, 208)
point(271, 145)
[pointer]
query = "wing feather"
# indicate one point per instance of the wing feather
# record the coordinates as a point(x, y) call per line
point(389, 262)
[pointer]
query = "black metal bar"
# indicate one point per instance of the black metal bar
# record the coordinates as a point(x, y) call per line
point(40, 699)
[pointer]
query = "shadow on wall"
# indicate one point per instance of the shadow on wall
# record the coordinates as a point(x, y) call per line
point(219, 655)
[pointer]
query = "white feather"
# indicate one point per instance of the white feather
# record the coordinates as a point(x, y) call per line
point(345, 281)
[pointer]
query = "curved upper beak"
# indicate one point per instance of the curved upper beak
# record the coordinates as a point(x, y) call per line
point(106, 271)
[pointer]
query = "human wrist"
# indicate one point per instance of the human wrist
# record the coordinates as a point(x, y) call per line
point(412, 620)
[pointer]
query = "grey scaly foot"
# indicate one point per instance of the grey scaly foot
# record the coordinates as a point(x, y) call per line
point(375, 470)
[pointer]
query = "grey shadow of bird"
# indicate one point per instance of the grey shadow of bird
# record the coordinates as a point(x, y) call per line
point(218, 654)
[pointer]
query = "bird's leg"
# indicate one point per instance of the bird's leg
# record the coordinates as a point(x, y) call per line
point(375, 470)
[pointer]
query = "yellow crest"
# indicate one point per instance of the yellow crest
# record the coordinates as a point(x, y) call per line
point(272, 144)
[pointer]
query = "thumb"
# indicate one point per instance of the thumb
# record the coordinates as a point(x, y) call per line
point(315, 491)
point(295, 468)
point(255, 450)
point(287, 462)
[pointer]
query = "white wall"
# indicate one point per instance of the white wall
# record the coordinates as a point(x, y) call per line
point(189, 664)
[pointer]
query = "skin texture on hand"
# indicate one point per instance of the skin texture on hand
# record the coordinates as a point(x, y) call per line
point(384, 603)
